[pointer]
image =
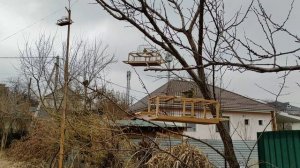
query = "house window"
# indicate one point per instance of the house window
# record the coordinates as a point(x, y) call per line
point(246, 121)
point(226, 124)
point(190, 127)
point(260, 122)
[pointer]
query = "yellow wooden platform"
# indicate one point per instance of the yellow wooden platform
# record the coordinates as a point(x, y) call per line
point(180, 119)
point(181, 109)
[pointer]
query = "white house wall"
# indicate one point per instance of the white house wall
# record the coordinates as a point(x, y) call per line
point(295, 126)
point(238, 129)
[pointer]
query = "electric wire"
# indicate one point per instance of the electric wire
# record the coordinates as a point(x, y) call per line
point(21, 30)
point(126, 87)
point(141, 81)
point(23, 57)
point(101, 79)
point(30, 25)
point(106, 81)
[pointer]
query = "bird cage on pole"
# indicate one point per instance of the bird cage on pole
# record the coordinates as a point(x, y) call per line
point(64, 21)
point(145, 56)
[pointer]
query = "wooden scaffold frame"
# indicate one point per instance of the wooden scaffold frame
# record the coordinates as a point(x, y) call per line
point(181, 109)
point(147, 57)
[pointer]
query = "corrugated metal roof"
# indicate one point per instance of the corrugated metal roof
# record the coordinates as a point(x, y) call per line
point(141, 123)
point(229, 101)
point(286, 107)
point(282, 117)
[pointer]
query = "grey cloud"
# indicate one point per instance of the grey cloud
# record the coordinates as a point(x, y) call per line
point(91, 21)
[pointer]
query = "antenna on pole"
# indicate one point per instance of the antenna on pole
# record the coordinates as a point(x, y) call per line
point(128, 88)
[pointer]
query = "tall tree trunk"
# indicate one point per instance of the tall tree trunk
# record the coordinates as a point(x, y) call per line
point(203, 86)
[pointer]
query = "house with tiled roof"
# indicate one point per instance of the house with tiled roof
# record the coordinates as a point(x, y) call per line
point(244, 117)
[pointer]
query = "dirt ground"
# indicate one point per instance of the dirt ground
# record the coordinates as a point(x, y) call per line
point(9, 163)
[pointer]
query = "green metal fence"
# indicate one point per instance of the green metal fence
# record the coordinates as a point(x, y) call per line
point(279, 149)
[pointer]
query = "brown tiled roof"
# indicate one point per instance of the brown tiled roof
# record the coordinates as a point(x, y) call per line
point(229, 101)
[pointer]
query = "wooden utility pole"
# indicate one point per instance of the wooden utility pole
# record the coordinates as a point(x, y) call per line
point(56, 73)
point(56, 83)
point(63, 22)
point(28, 90)
point(85, 84)
point(128, 89)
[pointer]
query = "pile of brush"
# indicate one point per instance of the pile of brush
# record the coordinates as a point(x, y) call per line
point(180, 156)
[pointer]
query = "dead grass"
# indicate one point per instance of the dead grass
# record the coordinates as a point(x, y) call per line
point(6, 162)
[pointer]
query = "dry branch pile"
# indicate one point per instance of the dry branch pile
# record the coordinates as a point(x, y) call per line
point(180, 156)
point(40, 144)
point(88, 142)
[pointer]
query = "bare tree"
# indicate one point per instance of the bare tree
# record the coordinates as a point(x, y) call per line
point(36, 59)
point(203, 38)
point(39, 62)
point(87, 63)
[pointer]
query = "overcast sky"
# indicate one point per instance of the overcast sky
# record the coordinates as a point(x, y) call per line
point(21, 20)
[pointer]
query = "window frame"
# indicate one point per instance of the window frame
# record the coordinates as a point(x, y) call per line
point(246, 121)
point(191, 127)
point(260, 122)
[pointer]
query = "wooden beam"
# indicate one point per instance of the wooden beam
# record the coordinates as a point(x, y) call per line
point(217, 110)
point(183, 108)
point(157, 106)
point(168, 98)
point(149, 105)
point(153, 98)
point(184, 119)
point(152, 113)
point(193, 109)
point(204, 111)
point(274, 122)
point(184, 103)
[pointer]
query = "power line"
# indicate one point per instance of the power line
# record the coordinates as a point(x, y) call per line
point(8, 37)
point(23, 57)
point(106, 81)
point(62, 58)
point(52, 13)
point(123, 86)
point(141, 81)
